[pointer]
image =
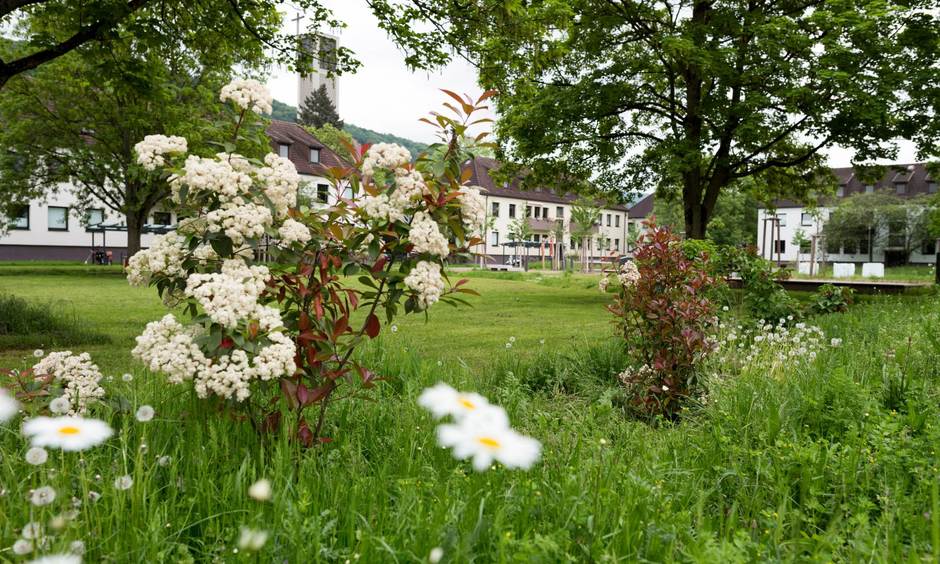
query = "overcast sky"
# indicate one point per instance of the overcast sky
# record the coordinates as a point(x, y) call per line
point(385, 96)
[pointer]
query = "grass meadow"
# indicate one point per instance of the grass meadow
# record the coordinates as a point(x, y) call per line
point(822, 459)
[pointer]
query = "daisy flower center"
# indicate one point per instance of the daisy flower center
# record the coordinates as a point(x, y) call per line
point(488, 442)
point(69, 430)
point(466, 403)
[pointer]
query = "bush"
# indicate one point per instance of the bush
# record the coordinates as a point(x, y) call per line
point(832, 299)
point(25, 325)
point(667, 321)
point(764, 298)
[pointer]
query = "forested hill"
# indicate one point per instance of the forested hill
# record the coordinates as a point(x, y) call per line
point(286, 112)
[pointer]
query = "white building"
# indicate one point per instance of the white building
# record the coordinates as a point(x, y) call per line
point(777, 243)
point(323, 47)
point(54, 229)
point(546, 209)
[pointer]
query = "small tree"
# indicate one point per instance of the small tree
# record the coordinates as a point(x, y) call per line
point(584, 215)
point(318, 110)
point(520, 230)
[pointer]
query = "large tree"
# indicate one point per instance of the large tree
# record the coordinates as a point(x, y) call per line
point(686, 95)
point(40, 31)
point(75, 122)
point(318, 110)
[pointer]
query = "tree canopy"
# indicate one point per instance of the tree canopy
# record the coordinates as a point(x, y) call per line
point(41, 31)
point(689, 96)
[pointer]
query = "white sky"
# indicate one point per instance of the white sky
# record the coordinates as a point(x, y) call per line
point(387, 97)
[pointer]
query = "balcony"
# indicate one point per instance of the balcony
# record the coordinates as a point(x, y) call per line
point(543, 225)
point(576, 227)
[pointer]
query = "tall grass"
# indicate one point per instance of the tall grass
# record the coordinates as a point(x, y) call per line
point(26, 324)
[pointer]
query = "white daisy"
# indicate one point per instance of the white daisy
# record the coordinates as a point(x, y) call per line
point(66, 433)
point(484, 438)
point(145, 413)
point(442, 400)
point(42, 496)
point(8, 406)
point(123, 482)
point(60, 405)
point(260, 490)
point(252, 540)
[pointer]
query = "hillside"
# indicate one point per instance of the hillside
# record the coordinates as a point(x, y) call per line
point(363, 135)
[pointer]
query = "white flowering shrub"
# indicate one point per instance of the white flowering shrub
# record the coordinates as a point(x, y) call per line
point(290, 325)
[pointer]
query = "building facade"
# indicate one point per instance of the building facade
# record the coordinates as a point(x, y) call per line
point(777, 230)
point(549, 216)
point(54, 228)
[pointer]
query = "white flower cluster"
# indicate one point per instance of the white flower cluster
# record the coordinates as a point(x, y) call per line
point(281, 182)
point(603, 283)
point(151, 150)
point(409, 188)
point(169, 347)
point(426, 236)
point(480, 430)
point(771, 346)
point(293, 232)
point(629, 274)
point(248, 94)
point(381, 207)
point(231, 296)
point(473, 209)
point(240, 222)
point(224, 176)
point(79, 375)
point(425, 278)
point(384, 155)
point(165, 256)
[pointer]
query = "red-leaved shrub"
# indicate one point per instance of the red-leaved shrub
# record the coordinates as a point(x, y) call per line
point(667, 322)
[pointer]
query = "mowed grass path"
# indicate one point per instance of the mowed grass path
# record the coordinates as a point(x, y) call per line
point(547, 312)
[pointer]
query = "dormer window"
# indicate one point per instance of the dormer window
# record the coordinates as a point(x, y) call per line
point(283, 149)
point(900, 187)
point(931, 187)
point(869, 188)
point(840, 191)
point(314, 155)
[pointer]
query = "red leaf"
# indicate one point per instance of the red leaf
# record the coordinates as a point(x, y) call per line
point(372, 326)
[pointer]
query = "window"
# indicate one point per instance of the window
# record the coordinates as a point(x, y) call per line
point(896, 234)
point(512, 210)
point(833, 247)
point(559, 212)
point(528, 211)
point(850, 246)
point(538, 212)
point(617, 241)
point(928, 247)
point(495, 211)
point(806, 219)
point(783, 219)
point(617, 220)
point(314, 155)
point(58, 219)
point(494, 238)
point(323, 193)
point(162, 218)
point(863, 245)
point(21, 218)
point(780, 246)
point(869, 188)
point(931, 187)
point(608, 220)
point(283, 149)
point(840, 191)
point(900, 187)
point(536, 238)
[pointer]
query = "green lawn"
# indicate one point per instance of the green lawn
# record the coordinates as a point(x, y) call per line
point(829, 459)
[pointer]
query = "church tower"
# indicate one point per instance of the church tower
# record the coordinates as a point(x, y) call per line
point(321, 47)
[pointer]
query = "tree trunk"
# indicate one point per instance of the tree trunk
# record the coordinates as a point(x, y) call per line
point(134, 225)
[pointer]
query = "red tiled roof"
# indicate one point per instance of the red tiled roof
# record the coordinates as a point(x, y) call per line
point(480, 168)
point(301, 141)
